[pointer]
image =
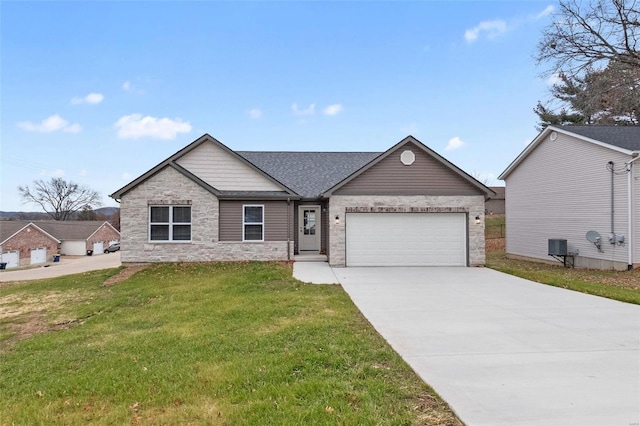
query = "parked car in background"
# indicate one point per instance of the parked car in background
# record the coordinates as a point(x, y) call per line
point(113, 247)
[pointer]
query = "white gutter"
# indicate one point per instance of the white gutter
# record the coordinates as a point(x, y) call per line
point(635, 156)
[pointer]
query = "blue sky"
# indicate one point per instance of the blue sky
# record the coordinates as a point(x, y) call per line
point(100, 92)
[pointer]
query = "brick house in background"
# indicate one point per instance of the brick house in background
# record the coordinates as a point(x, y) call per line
point(495, 203)
point(33, 242)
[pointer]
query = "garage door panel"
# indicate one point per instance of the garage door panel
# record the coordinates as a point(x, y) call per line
point(11, 258)
point(406, 239)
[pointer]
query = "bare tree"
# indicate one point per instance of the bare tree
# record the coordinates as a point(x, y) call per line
point(587, 35)
point(58, 198)
point(114, 219)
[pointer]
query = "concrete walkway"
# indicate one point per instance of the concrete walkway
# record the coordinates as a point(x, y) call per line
point(314, 273)
point(506, 351)
point(66, 266)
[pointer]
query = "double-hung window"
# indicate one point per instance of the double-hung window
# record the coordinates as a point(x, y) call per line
point(253, 223)
point(170, 223)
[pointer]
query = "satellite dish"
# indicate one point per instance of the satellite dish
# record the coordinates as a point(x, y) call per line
point(594, 237)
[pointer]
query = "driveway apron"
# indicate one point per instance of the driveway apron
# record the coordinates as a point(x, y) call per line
point(507, 351)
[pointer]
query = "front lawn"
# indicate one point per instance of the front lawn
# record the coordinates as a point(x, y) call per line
point(200, 344)
point(619, 285)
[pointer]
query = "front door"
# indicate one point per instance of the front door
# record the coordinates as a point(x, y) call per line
point(309, 228)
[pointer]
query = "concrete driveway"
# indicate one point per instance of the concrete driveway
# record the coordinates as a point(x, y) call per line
point(66, 266)
point(506, 351)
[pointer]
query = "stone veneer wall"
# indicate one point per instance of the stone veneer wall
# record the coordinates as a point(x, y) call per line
point(171, 186)
point(339, 203)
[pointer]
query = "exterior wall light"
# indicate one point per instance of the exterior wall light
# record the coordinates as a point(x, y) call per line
point(477, 220)
point(337, 219)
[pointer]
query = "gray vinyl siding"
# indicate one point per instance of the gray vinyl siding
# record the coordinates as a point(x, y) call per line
point(426, 176)
point(275, 220)
point(562, 190)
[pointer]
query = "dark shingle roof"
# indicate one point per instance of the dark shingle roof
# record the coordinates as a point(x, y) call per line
point(62, 230)
point(500, 192)
point(627, 137)
point(10, 227)
point(309, 173)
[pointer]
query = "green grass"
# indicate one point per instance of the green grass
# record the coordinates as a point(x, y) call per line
point(200, 344)
point(618, 285)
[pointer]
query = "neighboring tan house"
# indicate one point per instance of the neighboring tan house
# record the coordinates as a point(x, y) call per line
point(31, 242)
point(495, 203)
point(572, 180)
point(405, 206)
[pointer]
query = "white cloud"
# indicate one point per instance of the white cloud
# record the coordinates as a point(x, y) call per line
point(546, 12)
point(333, 109)
point(74, 128)
point(51, 124)
point(454, 143)
point(91, 98)
point(126, 176)
point(126, 86)
point(136, 126)
point(83, 172)
point(497, 27)
point(255, 113)
point(491, 29)
point(308, 111)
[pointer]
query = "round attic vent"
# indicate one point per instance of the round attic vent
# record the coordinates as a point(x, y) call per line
point(407, 157)
point(553, 136)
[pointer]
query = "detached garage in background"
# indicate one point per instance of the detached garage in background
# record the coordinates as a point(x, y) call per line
point(25, 243)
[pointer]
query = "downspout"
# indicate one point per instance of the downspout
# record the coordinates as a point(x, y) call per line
point(612, 204)
point(288, 228)
point(631, 237)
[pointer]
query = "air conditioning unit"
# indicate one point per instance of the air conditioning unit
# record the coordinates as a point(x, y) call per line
point(557, 247)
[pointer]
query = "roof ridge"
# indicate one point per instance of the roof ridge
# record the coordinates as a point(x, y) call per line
point(317, 152)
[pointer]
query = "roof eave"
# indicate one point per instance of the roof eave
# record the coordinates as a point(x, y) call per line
point(485, 189)
point(171, 161)
point(541, 137)
point(258, 197)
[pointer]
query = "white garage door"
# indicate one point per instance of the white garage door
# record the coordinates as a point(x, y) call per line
point(74, 248)
point(38, 255)
point(406, 239)
point(98, 248)
point(11, 258)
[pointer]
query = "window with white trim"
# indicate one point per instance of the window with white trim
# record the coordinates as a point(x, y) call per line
point(169, 223)
point(252, 222)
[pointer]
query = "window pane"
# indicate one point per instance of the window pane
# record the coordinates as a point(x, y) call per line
point(309, 222)
point(253, 214)
point(181, 232)
point(159, 232)
point(253, 232)
point(182, 214)
point(159, 214)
